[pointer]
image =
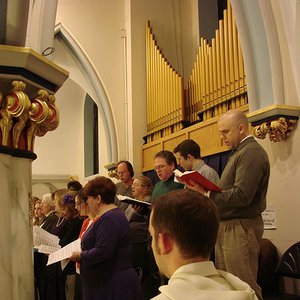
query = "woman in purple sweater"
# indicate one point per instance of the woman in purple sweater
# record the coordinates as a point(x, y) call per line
point(105, 260)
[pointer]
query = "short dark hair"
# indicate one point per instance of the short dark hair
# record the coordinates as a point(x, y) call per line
point(190, 218)
point(74, 185)
point(128, 165)
point(168, 156)
point(103, 187)
point(188, 147)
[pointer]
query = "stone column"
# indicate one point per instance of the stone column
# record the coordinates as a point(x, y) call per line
point(28, 83)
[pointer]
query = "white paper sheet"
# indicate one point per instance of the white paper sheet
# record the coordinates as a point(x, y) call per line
point(64, 252)
point(269, 217)
point(47, 249)
point(43, 237)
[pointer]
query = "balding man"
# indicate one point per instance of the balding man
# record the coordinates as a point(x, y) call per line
point(245, 183)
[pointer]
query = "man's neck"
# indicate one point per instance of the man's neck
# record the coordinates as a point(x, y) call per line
point(175, 261)
point(197, 163)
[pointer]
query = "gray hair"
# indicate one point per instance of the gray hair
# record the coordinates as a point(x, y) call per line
point(47, 198)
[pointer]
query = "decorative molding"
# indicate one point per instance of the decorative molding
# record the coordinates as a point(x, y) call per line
point(273, 111)
point(278, 129)
point(28, 82)
point(26, 65)
point(276, 120)
point(22, 118)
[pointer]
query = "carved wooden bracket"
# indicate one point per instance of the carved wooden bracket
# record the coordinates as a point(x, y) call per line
point(21, 118)
point(278, 121)
point(278, 129)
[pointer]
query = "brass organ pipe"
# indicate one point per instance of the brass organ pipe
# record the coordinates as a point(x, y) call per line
point(202, 68)
point(222, 58)
point(147, 74)
point(211, 92)
point(235, 55)
point(158, 100)
point(218, 63)
point(222, 66)
point(177, 102)
point(206, 74)
point(214, 70)
point(230, 42)
point(226, 52)
point(194, 93)
point(241, 66)
point(152, 82)
point(196, 86)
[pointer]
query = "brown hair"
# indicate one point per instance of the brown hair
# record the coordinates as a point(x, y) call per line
point(147, 183)
point(168, 156)
point(59, 194)
point(187, 147)
point(190, 218)
point(103, 187)
point(128, 165)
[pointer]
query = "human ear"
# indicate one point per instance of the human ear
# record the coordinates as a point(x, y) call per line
point(189, 157)
point(166, 243)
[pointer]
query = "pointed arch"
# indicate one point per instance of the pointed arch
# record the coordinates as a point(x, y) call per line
point(98, 89)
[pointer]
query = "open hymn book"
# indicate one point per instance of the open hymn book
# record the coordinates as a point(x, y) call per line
point(187, 176)
point(133, 201)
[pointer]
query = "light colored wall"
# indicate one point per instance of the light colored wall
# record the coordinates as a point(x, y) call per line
point(96, 25)
point(60, 152)
point(284, 189)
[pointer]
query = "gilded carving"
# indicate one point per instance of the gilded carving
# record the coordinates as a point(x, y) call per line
point(278, 129)
point(20, 115)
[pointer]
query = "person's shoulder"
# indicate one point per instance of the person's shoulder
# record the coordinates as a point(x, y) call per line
point(253, 149)
point(115, 215)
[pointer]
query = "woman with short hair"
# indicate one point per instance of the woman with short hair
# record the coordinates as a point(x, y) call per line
point(105, 259)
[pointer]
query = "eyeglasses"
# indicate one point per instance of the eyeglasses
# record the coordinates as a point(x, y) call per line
point(156, 168)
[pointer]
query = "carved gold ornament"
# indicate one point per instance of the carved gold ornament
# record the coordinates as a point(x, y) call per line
point(21, 118)
point(278, 129)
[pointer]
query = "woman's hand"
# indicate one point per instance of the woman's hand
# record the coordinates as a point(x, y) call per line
point(137, 208)
point(75, 256)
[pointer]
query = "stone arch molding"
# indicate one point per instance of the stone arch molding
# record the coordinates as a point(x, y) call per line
point(97, 87)
point(264, 31)
point(261, 52)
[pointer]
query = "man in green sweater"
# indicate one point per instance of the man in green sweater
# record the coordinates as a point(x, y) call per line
point(245, 183)
point(164, 166)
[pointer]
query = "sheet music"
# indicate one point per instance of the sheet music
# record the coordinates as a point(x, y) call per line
point(43, 237)
point(64, 252)
point(47, 249)
point(64, 263)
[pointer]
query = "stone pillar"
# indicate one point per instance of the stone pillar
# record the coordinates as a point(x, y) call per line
point(28, 83)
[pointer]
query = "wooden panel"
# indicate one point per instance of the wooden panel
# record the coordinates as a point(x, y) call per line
point(148, 152)
point(174, 140)
point(208, 138)
point(205, 133)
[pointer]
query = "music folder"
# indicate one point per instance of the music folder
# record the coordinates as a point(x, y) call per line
point(187, 176)
point(133, 201)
